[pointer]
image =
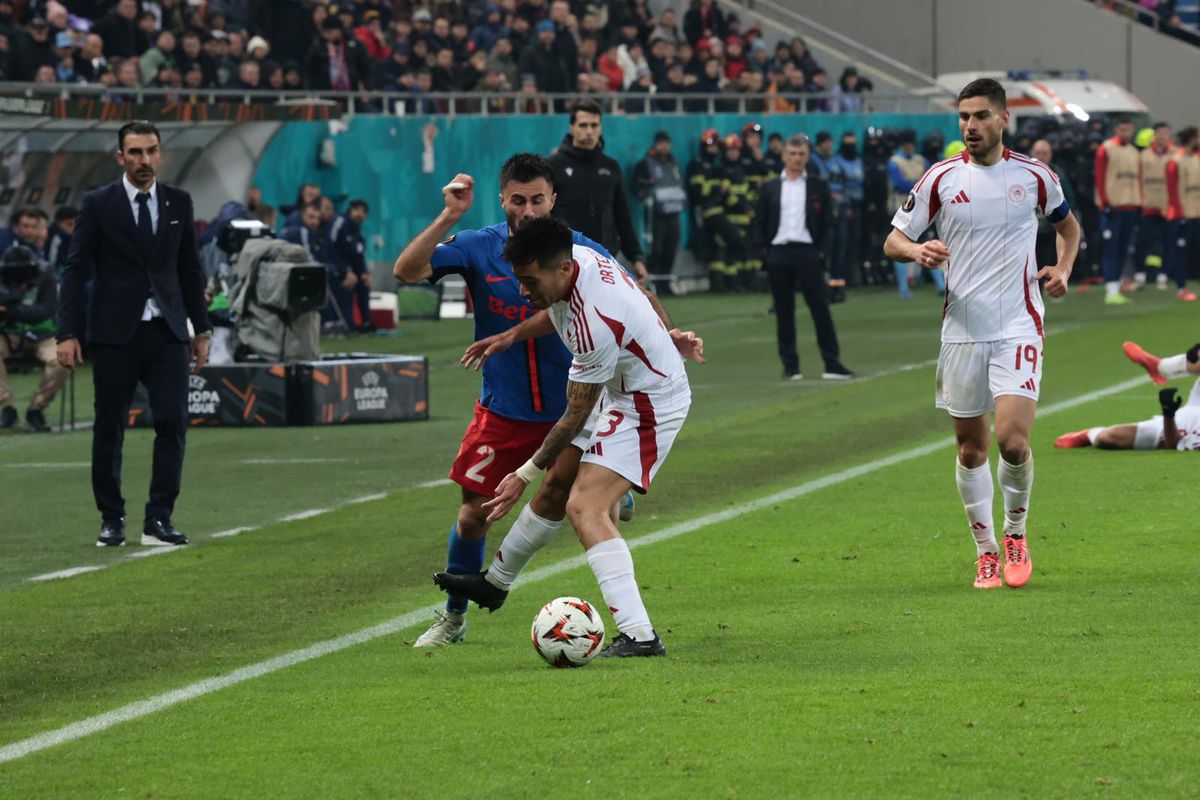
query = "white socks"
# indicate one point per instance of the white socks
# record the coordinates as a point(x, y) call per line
point(529, 534)
point(1094, 433)
point(612, 563)
point(975, 488)
point(1112, 287)
point(1016, 483)
point(1173, 366)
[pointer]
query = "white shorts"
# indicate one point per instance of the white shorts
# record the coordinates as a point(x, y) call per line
point(632, 434)
point(971, 375)
point(1187, 421)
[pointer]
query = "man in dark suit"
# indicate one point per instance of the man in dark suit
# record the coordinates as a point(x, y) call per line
point(135, 241)
point(795, 213)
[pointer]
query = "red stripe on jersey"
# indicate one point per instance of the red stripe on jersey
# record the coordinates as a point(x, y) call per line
point(617, 328)
point(647, 439)
point(929, 171)
point(587, 344)
point(1033, 162)
point(637, 350)
point(1041, 190)
point(535, 384)
point(1037, 320)
point(935, 201)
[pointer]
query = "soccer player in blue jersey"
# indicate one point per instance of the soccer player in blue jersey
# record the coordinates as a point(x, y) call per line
point(524, 389)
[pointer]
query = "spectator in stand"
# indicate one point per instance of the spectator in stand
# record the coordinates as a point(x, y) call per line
point(471, 74)
point(490, 29)
point(163, 52)
point(445, 73)
point(848, 99)
point(666, 28)
point(385, 75)
point(661, 54)
point(272, 76)
point(735, 59)
point(520, 35)
point(760, 58)
point(589, 55)
point(222, 65)
point(293, 79)
point(147, 23)
point(783, 57)
point(167, 77)
point(750, 82)
point(460, 40)
point(422, 22)
point(335, 62)
point(258, 49)
point(127, 74)
point(89, 62)
point(818, 84)
point(544, 61)
point(643, 84)
point(45, 74)
point(704, 20)
point(420, 53)
point(190, 48)
point(249, 76)
point(237, 13)
point(501, 59)
point(632, 59)
point(237, 46)
point(193, 78)
point(591, 194)
point(610, 65)
point(64, 58)
point(438, 36)
point(32, 49)
point(673, 84)
point(802, 57)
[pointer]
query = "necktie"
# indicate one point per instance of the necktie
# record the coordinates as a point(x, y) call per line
point(145, 228)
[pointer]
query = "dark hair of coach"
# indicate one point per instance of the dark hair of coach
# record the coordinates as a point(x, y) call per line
point(135, 242)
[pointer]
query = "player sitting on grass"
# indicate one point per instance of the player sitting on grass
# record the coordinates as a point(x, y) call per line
point(625, 359)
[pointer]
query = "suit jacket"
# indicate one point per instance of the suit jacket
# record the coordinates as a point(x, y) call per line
point(105, 250)
point(818, 211)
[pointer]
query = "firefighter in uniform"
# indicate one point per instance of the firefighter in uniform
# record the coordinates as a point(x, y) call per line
point(757, 170)
point(734, 224)
point(702, 185)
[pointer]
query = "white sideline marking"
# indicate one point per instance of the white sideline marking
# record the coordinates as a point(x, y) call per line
point(369, 498)
point(66, 573)
point(434, 484)
point(230, 532)
point(299, 515)
point(47, 465)
point(292, 460)
point(160, 702)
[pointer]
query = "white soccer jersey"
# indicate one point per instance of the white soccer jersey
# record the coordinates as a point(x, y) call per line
point(987, 218)
point(614, 334)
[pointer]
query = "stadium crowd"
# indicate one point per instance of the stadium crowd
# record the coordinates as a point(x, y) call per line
point(527, 46)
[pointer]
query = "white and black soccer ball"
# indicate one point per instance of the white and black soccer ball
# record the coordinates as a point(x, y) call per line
point(568, 632)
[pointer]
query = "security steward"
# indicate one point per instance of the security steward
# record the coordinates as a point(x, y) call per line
point(28, 303)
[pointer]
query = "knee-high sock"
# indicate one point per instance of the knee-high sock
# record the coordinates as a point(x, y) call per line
point(1094, 433)
point(612, 563)
point(1173, 366)
point(1016, 483)
point(529, 534)
point(975, 488)
point(462, 558)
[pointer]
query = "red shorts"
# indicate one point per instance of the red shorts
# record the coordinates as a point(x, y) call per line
point(492, 447)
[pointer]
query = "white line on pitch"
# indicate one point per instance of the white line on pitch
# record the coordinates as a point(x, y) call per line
point(47, 465)
point(299, 515)
point(160, 702)
point(272, 461)
point(434, 484)
point(66, 573)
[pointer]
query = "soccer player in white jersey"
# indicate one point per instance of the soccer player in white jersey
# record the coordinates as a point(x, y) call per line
point(625, 360)
point(986, 203)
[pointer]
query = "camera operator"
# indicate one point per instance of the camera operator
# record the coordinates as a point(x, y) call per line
point(28, 303)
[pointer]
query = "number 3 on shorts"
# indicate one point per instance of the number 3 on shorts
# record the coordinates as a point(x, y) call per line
point(1030, 353)
point(475, 473)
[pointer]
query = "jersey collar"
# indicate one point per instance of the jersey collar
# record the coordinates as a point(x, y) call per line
point(574, 279)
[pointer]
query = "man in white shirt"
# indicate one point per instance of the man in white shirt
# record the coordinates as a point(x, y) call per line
point(627, 398)
point(985, 202)
point(795, 212)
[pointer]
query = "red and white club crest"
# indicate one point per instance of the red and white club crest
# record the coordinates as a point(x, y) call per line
point(1016, 193)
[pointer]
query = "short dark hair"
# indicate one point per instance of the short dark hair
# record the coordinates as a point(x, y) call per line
point(1188, 135)
point(30, 211)
point(823, 137)
point(136, 128)
point(1123, 121)
point(526, 168)
point(545, 240)
point(1158, 126)
point(985, 87)
point(358, 203)
point(587, 107)
point(315, 205)
point(65, 212)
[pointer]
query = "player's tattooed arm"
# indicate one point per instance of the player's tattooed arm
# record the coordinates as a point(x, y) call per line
point(581, 399)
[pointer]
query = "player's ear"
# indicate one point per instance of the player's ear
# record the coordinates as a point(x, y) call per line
point(553, 199)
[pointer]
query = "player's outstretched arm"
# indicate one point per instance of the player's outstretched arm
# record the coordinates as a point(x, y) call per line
point(532, 328)
point(413, 264)
point(1068, 234)
point(581, 399)
point(930, 255)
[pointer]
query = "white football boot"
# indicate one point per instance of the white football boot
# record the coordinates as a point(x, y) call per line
point(447, 628)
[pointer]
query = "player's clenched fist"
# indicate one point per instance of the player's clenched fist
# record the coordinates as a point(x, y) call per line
point(459, 194)
point(932, 254)
point(1056, 280)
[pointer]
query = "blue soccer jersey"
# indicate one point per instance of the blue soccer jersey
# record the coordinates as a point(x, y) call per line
point(527, 382)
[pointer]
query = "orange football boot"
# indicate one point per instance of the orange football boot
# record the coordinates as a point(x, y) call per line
point(1076, 439)
point(987, 571)
point(1187, 295)
point(1018, 566)
point(1147, 361)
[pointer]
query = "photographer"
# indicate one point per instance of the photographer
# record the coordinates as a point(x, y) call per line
point(28, 303)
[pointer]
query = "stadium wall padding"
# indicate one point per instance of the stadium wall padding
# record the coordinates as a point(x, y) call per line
point(379, 158)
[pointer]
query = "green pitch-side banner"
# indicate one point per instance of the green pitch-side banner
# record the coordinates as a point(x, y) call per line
point(380, 158)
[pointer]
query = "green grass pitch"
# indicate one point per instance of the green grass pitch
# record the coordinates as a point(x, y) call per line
point(824, 644)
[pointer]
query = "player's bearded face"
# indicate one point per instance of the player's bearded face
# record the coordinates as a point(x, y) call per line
point(526, 201)
point(981, 125)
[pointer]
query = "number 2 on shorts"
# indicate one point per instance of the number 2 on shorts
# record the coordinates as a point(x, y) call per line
point(475, 473)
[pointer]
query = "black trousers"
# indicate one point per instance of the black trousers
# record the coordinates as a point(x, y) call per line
point(664, 244)
point(159, 361)
point(792, 266)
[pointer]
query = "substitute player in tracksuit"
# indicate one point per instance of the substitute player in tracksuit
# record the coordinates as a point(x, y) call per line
point(985, 205)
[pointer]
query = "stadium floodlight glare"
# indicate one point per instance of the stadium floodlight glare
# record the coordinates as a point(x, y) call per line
point(1079, 113)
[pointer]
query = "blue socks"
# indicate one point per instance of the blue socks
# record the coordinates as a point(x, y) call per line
point(462, 558)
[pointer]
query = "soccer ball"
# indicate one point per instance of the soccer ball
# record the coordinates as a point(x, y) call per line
point(568, 632)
